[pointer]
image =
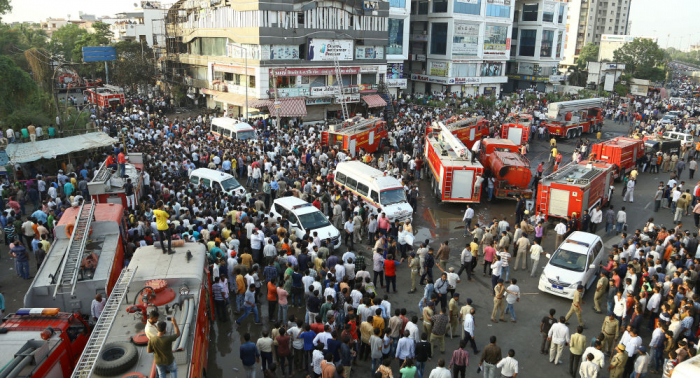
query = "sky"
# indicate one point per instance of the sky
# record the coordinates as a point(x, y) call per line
point(655, 18)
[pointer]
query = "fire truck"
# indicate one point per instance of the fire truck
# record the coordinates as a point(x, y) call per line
point(41, 343)
point(622, 152)
point(85, 259)
point(517, 128)
point(178, 286)
point(467, 130)
point(570, 119)
point(108, 187)
point(574, 188)
point(106, 96)
point(454, 176)
point(501, 158)
point(357, 133)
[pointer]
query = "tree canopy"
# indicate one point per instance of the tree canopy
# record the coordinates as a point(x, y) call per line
point(5, 7)
point(643, 59)
point(589, 53)
point(65, 40)
point(134, 63)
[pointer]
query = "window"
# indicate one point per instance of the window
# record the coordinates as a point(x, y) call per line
point(423, 7)
point(397, 3)
point(439, 6)
point(395, 43)
point(300, 19)
point(369, 79)
point(340, 177)
point(493, 10)
point(206, 182)
point(562, 9)
point(362, 189)
point(528, 39)
point(194, 180)
point(547, 17)
point(351, 183)
point(560, 40)
point(530, 12)
point(546, 45)
point(374, 196)
point(465, 8)
point(251, 81)
point(438, 38)
point(464, 69)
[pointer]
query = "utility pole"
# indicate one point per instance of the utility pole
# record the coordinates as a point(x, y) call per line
point(277, 104)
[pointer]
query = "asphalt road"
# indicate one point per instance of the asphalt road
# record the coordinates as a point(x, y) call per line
point(439, 222)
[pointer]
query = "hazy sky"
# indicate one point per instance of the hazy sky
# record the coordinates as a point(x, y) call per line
point(657, 18)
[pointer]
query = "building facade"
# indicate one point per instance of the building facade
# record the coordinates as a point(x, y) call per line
point(242, 55)
point(537, 47)
point(610, 42)
point(588, 20)
point(460, 46)
point(397, 45)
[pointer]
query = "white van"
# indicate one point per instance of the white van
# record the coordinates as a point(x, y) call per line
point(303, 217)
point(219, 180)
point(689, 368)
point(382, 192)
point(686, 139)
point(575, 262)
point(232, 129)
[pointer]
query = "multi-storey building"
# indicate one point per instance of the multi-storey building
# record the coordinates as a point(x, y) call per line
point(460, 45)
point(537, 44)
point(240, 54)
point(588, 20)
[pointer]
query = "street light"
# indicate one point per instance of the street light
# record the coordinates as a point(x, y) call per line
point(245, 55)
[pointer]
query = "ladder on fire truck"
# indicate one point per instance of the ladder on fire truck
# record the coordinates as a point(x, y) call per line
point(103, 174)
point(70, 267)
point(457, 146)
point(557, 110)
point(98, 338)
point(339, 89)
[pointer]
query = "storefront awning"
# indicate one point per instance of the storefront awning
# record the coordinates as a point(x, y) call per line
point(259, 104)
point(374, 101)
point(288, 107)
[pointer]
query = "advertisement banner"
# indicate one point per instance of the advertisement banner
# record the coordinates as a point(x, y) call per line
point(396, 83)
point(280, 52)
point(499, 2)
point(255, 52)
point(465, 41)
point(468, 1)
point(526, 69)
point(315, 71)
point(369, 52)
point(330, 49)
point(609, 82)
point(323, 91)
point(433, 79)
point(467, 80)
point(347, 98)
point(439, 69)
point(496, 41)
point(318, 101)
point(368, 69)
point(557, 78)
point(491, 69)
point(394, 71)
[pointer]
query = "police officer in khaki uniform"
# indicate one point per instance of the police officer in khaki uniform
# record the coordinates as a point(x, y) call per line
point(618, 362)
point(576, 306)
point(499, 307)
point(611, 330)
point(414, 264)
point(600, 290)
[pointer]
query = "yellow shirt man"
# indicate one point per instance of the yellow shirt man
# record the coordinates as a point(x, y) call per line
point(161, 219)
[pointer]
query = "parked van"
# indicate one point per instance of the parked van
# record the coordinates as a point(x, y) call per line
point(575, 262)
point(304, 217)
point(232, 129)
point(382, 192)
point(223, 181)
point(686, 139)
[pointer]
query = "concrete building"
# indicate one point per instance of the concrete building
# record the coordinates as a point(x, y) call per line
point(53, 24)
point(460, 45)
point(398, 45)
point(140, 25)
point(537, 47)
point(588, 20)
point(609, 43)
point(282, 55)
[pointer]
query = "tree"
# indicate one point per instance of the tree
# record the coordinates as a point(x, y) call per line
point(65, 39)
point(577, 76)
point(134, 63)
point(640, 57)
point(589, 53)
point(17, 86)
point(5, 7)
point(38, 60)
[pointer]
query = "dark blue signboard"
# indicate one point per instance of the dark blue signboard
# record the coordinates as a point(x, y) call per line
point(99, 54)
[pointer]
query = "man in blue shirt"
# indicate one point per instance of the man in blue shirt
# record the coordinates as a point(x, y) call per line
point(249, 356)
point(249, 306)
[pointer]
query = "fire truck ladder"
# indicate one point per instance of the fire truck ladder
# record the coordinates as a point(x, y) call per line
point(86, 364)
point(102, 174)
point(70, 267)
point(339, 89)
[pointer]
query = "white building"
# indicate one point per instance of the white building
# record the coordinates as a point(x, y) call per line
point(610, 42)
point(537, 47)
point(398, 44)
point(460, 46)
point(588, 20)
point(140, 25)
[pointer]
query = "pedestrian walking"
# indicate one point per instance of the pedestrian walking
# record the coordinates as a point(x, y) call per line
point(576, 347)
point(535, 252)
point(508, 365)
point(490, 357)
point(498, 305)
point(558, 336)
point(512, 296)
point(576, 306)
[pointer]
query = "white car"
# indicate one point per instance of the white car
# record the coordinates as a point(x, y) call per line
point(575, 262)
point(667, 119)
point(303, 216)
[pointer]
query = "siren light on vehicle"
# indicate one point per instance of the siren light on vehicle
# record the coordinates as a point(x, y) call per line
point(37, 311)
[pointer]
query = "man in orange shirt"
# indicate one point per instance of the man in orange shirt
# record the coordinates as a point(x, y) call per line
point(271, 298)
point(121, 159)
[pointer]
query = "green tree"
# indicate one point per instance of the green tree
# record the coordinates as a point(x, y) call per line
point(134, 63)
point(64, 41)
point(100, 37)
point(17, 86)
point(589, 53)
point(577, 76)
point(640, 57)
point(5, 7)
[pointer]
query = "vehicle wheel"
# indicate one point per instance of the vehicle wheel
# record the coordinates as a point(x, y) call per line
point(579, 132)
point(116, 358)
point(568, 134)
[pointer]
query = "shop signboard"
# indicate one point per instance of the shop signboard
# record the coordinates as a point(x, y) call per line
point(439, 69)
point(396, 83)
point(369, 52)
point(323, 91)
point(499, 2)
point(347, 98)
point(330, 49)
point(314, 71)
point(467, 80)
point(496, 41)
point(465, 41)
point(318, 101)
point(433, 79)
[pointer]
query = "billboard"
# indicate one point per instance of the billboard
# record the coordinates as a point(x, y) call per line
point(369, 52)
point(496, 41)
point(99, 54)
point(329, 49)
point(468, 1)
point(465, 41)
point(491, 69)
point(441, 69)
point(609, 82)
point(499, 2)
point(280, 52)
point(394, 71)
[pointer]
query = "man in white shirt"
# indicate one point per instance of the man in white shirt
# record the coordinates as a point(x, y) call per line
point(412, 328)
point(440, 371)
point(560, 229)
point(598, 355)
point(621, 219)
point(512, 296)
point(467, 219)
point(589, 369)
point(508, 365)
point(596, 218)
point(559, 336)
point(631, 341)
point(535, 252)
point(98, 304)
point(468, 327)
point(152, 324)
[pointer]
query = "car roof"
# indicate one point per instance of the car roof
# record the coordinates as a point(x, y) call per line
point(210, 174)
point(572, 247)
point(296, 204)
point(583, 239)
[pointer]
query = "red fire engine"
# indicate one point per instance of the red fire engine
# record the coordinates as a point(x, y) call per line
point(502, 159)
point(106, 96)
point(623, 152)
point(85, 259)
point(570, 119)
point(517, 128)
point(41, 342)
point(178, 286)
point(454, 177)
point(574, 188)
point(467, 130)
point(358, 133)
point(108, 187)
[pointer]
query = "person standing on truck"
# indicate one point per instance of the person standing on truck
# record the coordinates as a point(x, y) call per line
point(162, 349)
point(162, 226)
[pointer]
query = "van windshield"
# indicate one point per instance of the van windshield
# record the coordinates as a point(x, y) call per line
point(392, 196)
point(230, 184)
point(313, 220)
point(569, 260)
point(245, 134)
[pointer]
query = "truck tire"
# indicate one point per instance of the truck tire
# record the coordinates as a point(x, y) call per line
point(116, 358)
